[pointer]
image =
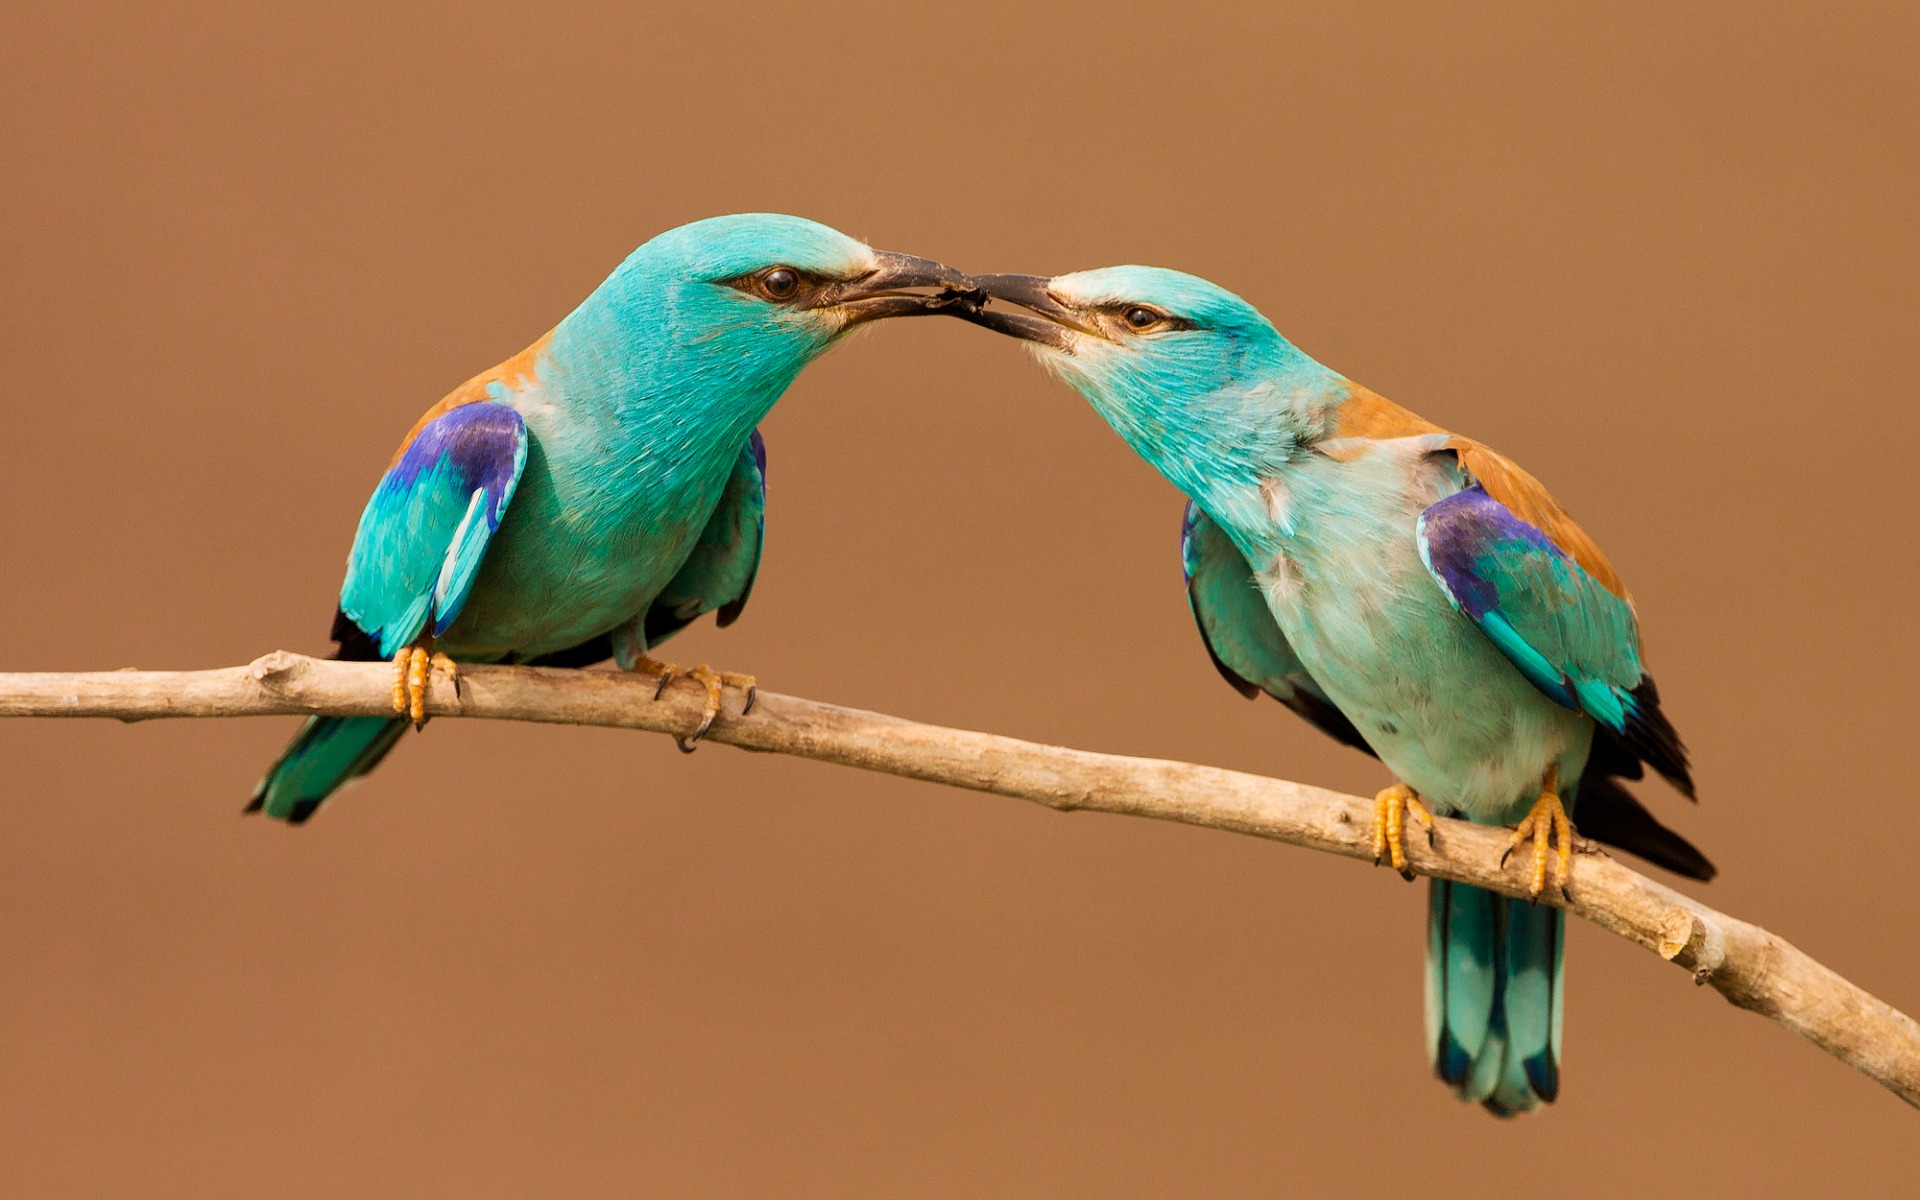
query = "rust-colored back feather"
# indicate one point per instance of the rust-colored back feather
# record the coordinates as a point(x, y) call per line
point(1367, 414)
point(513, 372)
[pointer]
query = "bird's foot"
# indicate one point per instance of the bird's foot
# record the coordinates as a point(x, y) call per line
point(412, 668)
point(1391, 808)
point(1546, 820)
point(713, 681)
point(664, 672)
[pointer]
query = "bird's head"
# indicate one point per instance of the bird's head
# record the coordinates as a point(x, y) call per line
point(752, 298)
point(1185, 370)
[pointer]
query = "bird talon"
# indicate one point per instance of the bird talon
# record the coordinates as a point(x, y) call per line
point(446, 666)
point(664, 672)
point(1551, 831)
point(412, 667)
point(710, 679)
point(747, 684)
point(401, 661)
point(1391, 808)
point(715, 683)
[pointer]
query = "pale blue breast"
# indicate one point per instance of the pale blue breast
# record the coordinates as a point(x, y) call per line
point(1445, 710)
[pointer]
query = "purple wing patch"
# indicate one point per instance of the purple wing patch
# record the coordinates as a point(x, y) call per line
point(428, 524)
point(469, 439)
point(1461, 531)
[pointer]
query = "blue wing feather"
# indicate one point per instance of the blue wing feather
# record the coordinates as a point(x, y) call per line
point(1251, 652)
point(1241, 636)
point(719, 573)
point(1571, 637)
point(426, 529)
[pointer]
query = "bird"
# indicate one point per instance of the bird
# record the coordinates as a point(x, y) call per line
point(1409, 591)
point(599, 491)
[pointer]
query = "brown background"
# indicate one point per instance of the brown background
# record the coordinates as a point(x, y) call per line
point(1667, 262)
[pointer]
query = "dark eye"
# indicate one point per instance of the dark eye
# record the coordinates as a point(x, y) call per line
point(1140, 318)
point(780, 283)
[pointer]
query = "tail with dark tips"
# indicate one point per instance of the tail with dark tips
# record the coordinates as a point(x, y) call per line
point(326, 753)
point(1495, 972)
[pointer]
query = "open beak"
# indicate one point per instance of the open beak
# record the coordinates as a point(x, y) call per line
point(901, 285)
point(1047, 320)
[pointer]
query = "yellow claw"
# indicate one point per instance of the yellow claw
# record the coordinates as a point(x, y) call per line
point(1391, 808)
point(417, 687)
point(401, 662)
point(665, 672)
point(412, 668)
point(1546, 822)
point(714, 681)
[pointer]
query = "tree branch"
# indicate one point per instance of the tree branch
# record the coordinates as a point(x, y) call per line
point(1748, 965)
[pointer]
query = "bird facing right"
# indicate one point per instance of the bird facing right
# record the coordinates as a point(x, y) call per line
point(1408, 590)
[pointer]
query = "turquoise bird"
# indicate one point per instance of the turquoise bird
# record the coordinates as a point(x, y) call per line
point(1407, 590)
point(597, 492)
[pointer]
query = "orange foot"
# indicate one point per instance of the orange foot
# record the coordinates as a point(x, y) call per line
point(1546, 820)
point(412, 668)
point(713, 681)
point(1391, 808)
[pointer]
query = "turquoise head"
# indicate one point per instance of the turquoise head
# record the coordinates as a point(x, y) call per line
point(725, 313)
point(1192, 376)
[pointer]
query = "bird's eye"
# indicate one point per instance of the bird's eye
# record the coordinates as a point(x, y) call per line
point(1140, 318)
point(779, 283)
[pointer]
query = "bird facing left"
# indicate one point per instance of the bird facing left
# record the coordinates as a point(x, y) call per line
point(597, 492)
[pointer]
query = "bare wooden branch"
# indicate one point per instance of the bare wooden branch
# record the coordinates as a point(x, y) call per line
point(1751, 967)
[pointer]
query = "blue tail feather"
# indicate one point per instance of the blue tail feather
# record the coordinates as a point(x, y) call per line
point(1495, 974)
point(326, 753)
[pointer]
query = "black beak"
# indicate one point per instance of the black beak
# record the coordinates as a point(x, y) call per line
point(1048, 322)
point(901, 285)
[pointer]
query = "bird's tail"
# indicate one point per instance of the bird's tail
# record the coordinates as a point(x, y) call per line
point(1495, 970)
point(327, 752)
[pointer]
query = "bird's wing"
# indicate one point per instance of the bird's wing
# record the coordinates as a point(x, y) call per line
point(426, 529)
point(1241, 636)
point(1513, 562)
point(719, 573)
point(1251, 652)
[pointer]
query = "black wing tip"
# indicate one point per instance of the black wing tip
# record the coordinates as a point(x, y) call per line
point(1233, 678)
point(1652, 736)
point(1246, 688)
point(1611, 814)
point(356, 645)
point(258, 802)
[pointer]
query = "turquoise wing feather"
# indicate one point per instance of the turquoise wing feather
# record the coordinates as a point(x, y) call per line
point(425, 531)
point(719, 573)
point(1571, 637)
point(1244, 641)
point(421, 540)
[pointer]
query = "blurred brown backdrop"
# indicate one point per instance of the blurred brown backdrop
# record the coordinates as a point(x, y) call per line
point(1669, 262)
